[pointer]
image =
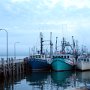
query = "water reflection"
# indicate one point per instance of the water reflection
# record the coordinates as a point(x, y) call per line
point(37, 77)
point(84, 79)
point(84, 76)
point(37, 80)
point(8, 83)
point(59, 78)
point(47, 81)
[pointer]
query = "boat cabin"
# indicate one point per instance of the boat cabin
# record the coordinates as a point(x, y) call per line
point(84, 59)
point(63, 56)
point(37, 56)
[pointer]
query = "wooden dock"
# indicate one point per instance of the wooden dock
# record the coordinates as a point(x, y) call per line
point(11, 67)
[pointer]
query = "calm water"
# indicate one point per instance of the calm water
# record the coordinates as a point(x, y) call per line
point(47, 81)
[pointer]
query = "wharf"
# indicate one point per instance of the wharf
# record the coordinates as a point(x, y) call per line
point(11, 66)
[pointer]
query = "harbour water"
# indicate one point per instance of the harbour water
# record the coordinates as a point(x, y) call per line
point(66, 80)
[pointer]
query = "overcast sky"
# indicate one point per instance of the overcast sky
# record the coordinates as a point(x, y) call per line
point(25, 19)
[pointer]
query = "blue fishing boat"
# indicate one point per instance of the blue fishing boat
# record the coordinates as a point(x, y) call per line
point(40, 60)
point(62, 61)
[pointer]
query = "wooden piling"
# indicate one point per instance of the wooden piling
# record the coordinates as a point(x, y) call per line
point(11, 67)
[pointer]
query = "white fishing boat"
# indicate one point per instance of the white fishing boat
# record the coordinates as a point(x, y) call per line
point(83, 62)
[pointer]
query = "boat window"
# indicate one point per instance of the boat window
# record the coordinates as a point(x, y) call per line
point(37, 56)
point(42, 56)
point(84, 59)
point(87, 60)
point(67, 56)
point(61, 56)
point(33, 56)
point(64, 56)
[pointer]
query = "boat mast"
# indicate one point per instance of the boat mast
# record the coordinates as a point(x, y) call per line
point(41, 42)
point(63, 45)
point(73, 44)
point(77, 51)
point(56, 44)
point(51, 45)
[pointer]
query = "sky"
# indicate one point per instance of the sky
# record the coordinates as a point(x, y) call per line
point(25, 19)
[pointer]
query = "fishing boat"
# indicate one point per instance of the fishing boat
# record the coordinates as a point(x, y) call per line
point(62, 61)
point(40, 60)
point(83, 62)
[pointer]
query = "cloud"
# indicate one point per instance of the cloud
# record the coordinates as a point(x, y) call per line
point(20, 1)
point(76, 3)
point(45, 6)
point(66, 3)
point(51, 3)
point(17, 6)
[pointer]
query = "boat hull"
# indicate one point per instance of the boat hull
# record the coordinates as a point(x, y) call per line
point(38, 64)
point(58, 64)
point(83, 65)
